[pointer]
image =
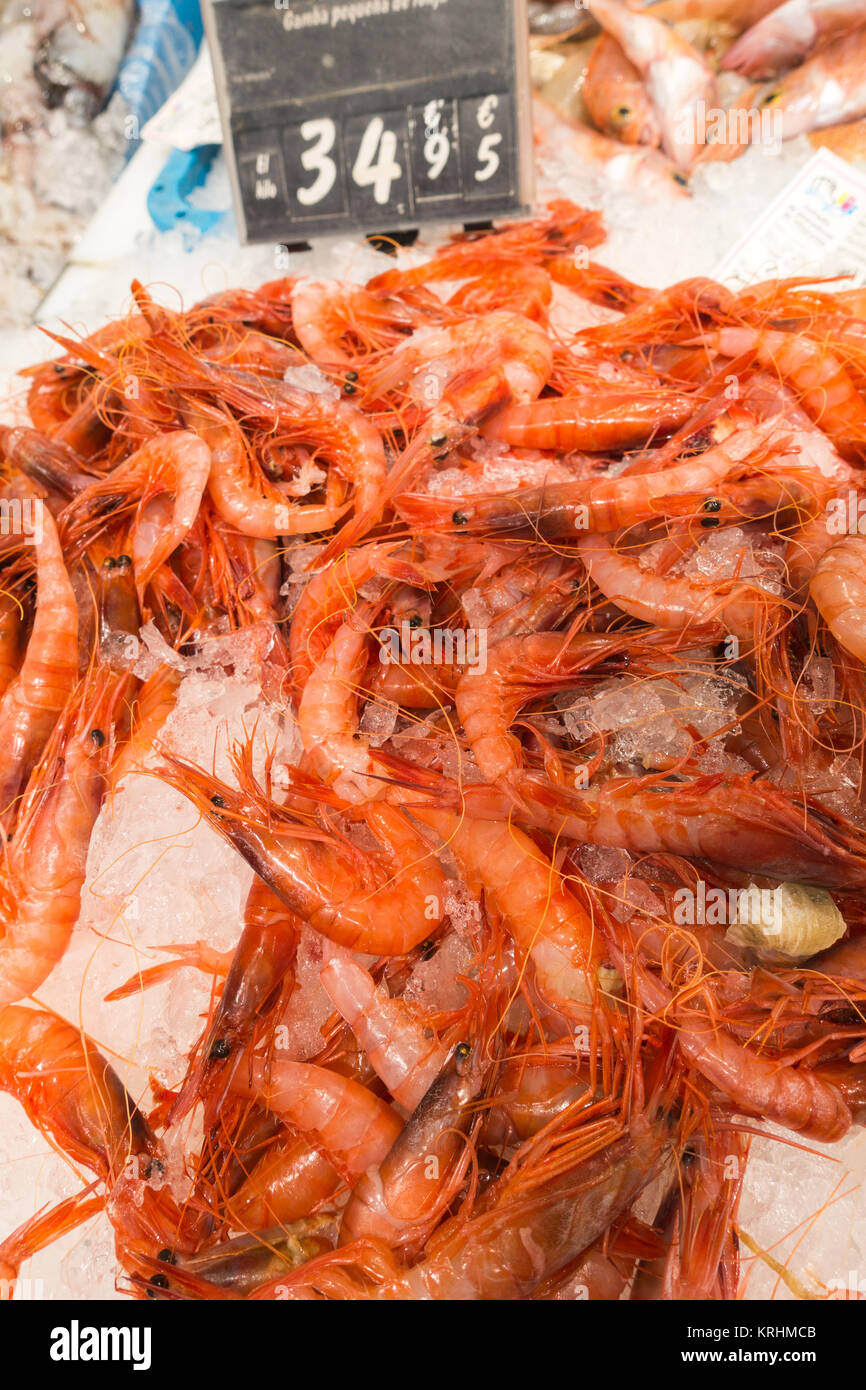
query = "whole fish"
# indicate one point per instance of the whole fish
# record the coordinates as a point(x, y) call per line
point(616, 98)
point(790, 33)
point(678, 81)
point(826, 90)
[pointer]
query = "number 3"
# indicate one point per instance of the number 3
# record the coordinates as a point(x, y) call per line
point(488, 158)
point(324, 133)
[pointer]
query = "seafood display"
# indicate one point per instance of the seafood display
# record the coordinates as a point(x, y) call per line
point(700, 80)
point(550, 796)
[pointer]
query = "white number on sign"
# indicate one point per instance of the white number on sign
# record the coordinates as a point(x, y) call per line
point(488, 158)
point(376, 166)
point(487, 112)
point(436, 151)
point(323, 133)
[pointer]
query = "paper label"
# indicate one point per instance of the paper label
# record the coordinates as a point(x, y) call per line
point(817, 226)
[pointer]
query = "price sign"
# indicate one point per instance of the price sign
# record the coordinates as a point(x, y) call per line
point(375, 115)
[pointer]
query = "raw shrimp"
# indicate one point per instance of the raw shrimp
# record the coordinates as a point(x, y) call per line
point(33, 701)
point(838, 589)
point(785, 37)
point(517, 671)
point(791, 1096)
point(262, 961)
point(290, 1181)
point(354, 1128)
point(172, 466)
point(332, 592)
point(679, 83)
point(402, 1199)
point(738, 821)
point(11, 639)
point(404, 1051)
point(243, 499)
point(522, 888)
point(327, 713)
point(69, 1091)
point(736, 607)
point(616, 98)
point(823, 384)
point(325, 314)
point(598, 422)
point(40, 888)
point(527, 1231)
point(383, 902)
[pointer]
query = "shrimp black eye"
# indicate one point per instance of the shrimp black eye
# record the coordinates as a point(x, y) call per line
point(427, 949)
point(159, 1281)
point(623, 111)
point(352, 376)
point(124, 562)
point(462, 1051)
point(415, 620)
point(348, 388)
point(220, 1050)
point(712, 504)
point(680, 179)
point(217, 800)
point(770, 98)
point(109, 563)
point(97, 737)
point(167, 1257)
point(709, 521)
point(459, 518)
point(153, 1168)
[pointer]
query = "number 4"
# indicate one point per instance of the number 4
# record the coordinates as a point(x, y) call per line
point(370, 172)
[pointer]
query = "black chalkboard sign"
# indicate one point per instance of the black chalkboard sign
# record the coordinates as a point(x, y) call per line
point(375, 115)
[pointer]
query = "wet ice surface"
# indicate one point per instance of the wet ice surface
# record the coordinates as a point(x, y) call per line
point(655, 720)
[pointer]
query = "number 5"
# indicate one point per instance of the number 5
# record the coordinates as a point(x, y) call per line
point(324, 133)
point(488, 158)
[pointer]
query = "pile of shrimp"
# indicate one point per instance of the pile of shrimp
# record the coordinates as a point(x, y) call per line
point(658, 90)
point(379, 485)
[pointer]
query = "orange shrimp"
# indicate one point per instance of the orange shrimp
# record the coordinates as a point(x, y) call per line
point(242, 495)
point(735, 820)
point(823, 384)
point(791, 1096)
point(523, 889)
point(41, 882)
point(11, 639)
point(292, 1179)
point(405, 1053)
point(353, 1128)
point(530, 1225)
point(326, 315)
point(838, 589)
point(261, 964)
point(69, 1091)
point(332, 592)
point(597, 421)
point(736, 607)
point(517, 670)
point(383, 902)
point(401, 1200)
point(34, 699)
point(168, 475)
